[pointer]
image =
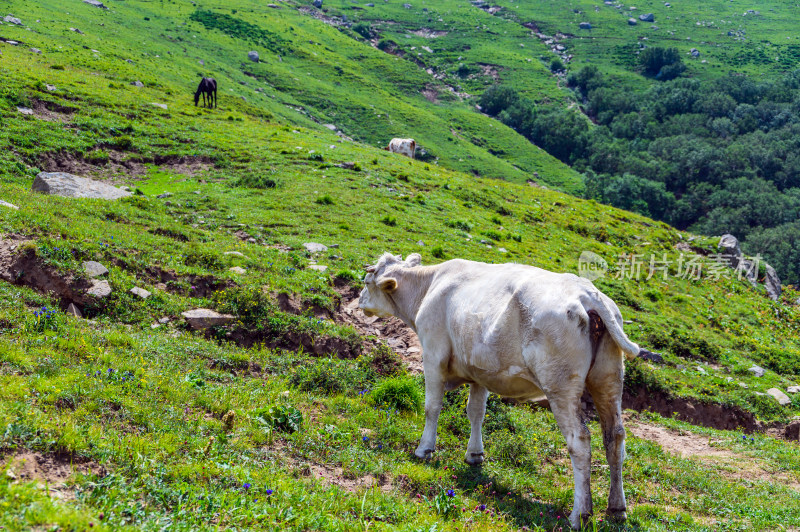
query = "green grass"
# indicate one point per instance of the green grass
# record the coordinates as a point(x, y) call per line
point(150, 420)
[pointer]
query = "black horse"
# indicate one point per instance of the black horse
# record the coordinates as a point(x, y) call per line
point(208, 88)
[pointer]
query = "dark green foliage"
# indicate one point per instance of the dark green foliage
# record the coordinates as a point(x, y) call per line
point(324, 200)
point(198, 256)
point(285, 418)
point(363, 29)
point(661, 63)
point(401, 393)
point(238, 29)
point(556, 65)
point(391, 221)
point(437, 252)
point(463, 225)
point(256, 181)
point(684, 343)
point(332, 376)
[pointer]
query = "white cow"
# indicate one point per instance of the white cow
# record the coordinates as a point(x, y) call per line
point(520, 332)
point(405, 147)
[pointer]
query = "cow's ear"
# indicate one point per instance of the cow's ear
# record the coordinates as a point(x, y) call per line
point(388, 284)
point(415, 259)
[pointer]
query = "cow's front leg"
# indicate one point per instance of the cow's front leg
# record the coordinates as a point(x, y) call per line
point(476, 409)
point(434, 393)
point(565, 406)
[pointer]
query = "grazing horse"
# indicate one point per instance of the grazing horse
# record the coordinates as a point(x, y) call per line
point(208, 88)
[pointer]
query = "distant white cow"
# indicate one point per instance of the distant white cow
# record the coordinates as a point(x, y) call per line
point(520, 332)
point(405, 147)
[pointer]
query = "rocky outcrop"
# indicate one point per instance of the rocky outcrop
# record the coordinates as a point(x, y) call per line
point(95, 3)
point(72, 186)
point(253, 56)
point(730, 250)
point(779, 396)
point(647, 17)
point(203, 318)
point(773, 283)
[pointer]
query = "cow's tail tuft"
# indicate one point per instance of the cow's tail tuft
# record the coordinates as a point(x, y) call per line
point(613, 327)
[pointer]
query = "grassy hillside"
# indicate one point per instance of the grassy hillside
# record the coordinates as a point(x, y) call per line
point(123, 419)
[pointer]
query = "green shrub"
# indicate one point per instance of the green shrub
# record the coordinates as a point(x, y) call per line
point(256, 181)
point(401, 393)
point(324, 200)
point(437, 252)
point(203, 257)
point(459, 224)
point(285, 418)
point(391, 221)
point(511, 448)
point(331, 376)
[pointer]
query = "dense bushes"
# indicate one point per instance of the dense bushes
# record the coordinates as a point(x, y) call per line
point(714, 157)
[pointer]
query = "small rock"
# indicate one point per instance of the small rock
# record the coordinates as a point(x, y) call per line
point(25, 110)
point(779, 396)
point(95, 3)
point(7, 204)
point(163, 321)
point(317, 4)
point(632, 22)
point(793, 389)
point(331, 127)
point(314, 247)
point(758, 371)
point(333, 246)
point(317, 267)
point(502, 250)
point(743, 385)
point(253, 56)
point(137, 83)
point(141, 292)
point(94, 269)
point(12, 20)
point(420, 243)
point(235, 254)
point(164, 195)
point(203, 318)
point(647, 17)
point(161, 105)
point(99, 289)
point(585, 26)
point(36, 50)
point(694, 52)
point(656, 358)
point(72, 310)
point(239, 270)
point(76, 30)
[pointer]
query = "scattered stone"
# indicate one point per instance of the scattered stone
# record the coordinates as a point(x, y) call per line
point(779, 396)
point(235, 254)
point(12, 20)
point(743, 385)
point(502, 250)
point(203, 318)
point(99, 289)
point(757, 371)
point(95, 3)
point(76, 30)
point(94, 269)
point(331, 127)
point(694, 52)
point(72, 186)
point(317, 4)
point(164, 195)
point(585, 26)
point(407, 6)
point(25, 110)
point(313, 247)
point(317, 267)
point(36, 50)
point(7, 204)
point(420, 243)
point(793, 389)
point(273, 6)
point(50, 88)
point(161, 105)
point(647, 17)
point(632, 22)
point(239, 270)
point(141, 292)
point(72, 310)
point(333, 246)
point(656, 358)
point(137, 83)
point(253, 56)
point(773, 283)
point(792, 431)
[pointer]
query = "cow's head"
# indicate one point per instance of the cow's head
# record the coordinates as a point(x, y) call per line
point(381, 281)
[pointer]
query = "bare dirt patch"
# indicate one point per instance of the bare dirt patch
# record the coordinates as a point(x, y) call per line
point(19, 265)
point(186, 285)
point(684, 444)
point(431, 93)
point(53, 471)
point(490, 70)
point(51, 111)
point(120, 165)
point(335, 476)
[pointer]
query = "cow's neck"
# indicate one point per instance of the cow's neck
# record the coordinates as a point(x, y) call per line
point(414, 284)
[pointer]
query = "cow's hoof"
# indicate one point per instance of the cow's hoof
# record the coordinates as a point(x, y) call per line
point(474, 459)
point(580, 521)
point(423, 454)
point(616, 514)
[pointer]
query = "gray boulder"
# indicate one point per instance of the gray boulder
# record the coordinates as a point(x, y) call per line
point(203, 318)
point(632, 22)
point(7, 204)
point(25, 110)
point(72, 186)
point(95, 3)
point(772, 283)
point(647, 17)
point(757, 371)
point(137, 83)
point(141, 292)
point(314, 247)
point(12, 20)
point(72, 310)
point(318, 4)
point(253, 56)
point(694, 52)
point(729, 247)
point(99, 289)
point(585, 26)
point(94, 269)
point(779, 396)
point(793, 389)
point(36, 50)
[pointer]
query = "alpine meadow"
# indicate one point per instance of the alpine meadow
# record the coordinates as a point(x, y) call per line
point(191, 190)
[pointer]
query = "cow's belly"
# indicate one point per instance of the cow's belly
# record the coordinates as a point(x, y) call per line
point(514, 381)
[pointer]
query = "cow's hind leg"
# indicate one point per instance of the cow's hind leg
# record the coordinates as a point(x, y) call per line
point(605, 384)
point(476, 409)
point(434, 368)
point(565, 404)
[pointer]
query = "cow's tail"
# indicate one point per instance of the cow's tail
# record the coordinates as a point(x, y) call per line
point(613, 327)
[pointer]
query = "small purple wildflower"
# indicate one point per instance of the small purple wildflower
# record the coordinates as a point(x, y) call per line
point(365, 439)
point(482, 507)
point(268, 492)
point(246, 486)
point(451, 493)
